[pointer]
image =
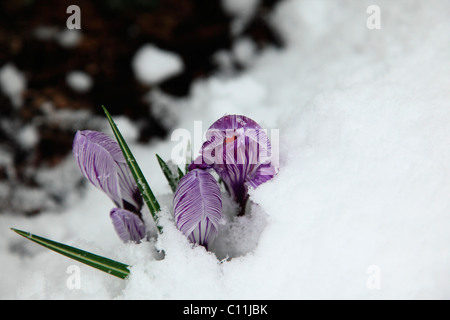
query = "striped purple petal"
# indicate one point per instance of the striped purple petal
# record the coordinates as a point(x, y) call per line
point(197, 207)
point(238, 149)
point(128, 225)
point(101, 161)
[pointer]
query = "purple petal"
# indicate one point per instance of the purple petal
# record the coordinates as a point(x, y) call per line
point(197, 207)
point(264, 173)
point(101, 161)
point(128, 225)
point(234, 122)
point(238, 149)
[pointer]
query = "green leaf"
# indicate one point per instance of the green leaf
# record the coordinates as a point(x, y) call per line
point(144, 188)
point(109, 266)
point(172, 178)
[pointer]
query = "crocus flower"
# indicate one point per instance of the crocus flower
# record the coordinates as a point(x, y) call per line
point(238, 149)
point(197, 207)
point(101, 161)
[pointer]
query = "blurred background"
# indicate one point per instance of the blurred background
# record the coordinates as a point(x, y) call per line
point(53, 80)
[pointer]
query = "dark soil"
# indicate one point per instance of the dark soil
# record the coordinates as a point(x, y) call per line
point(112, 31)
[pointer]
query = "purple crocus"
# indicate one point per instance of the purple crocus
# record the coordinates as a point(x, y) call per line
point(101, 161)
point(238, 149)
point(197, 207)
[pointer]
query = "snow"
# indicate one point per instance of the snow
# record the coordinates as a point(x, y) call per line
point(46, 33)
point(69, 38)
point(12, 83)
point(28, 136)
point(153, 65)
point(240, 8)
point(79, 81)
point(241, 11)
point(360, 207)
point(244, 51)
point(66, 38)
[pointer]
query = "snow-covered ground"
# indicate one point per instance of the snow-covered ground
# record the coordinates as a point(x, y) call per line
point(360, 208)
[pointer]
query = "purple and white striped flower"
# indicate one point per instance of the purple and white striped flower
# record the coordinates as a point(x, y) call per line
point(238, 149)
point(101, 161)
point(197, 207)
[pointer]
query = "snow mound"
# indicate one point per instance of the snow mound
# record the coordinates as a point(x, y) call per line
point(153, 65)
point(12, 83)
point(79, 81)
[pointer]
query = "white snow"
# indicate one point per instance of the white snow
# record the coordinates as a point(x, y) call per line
point(66, 38)
point(28, 136)
point(79, 81)
point(240, 8)
point(69, 38)
point(244, 51)
point(46, 33)
point(12, 83)
point(360, 208)
point(153, 65)
point(241, 12)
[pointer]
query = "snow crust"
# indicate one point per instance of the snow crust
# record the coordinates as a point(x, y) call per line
point(364, 182)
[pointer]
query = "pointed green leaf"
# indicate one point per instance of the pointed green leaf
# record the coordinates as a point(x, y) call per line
point(172, 178)
point(144, 188)
point(109, 266)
